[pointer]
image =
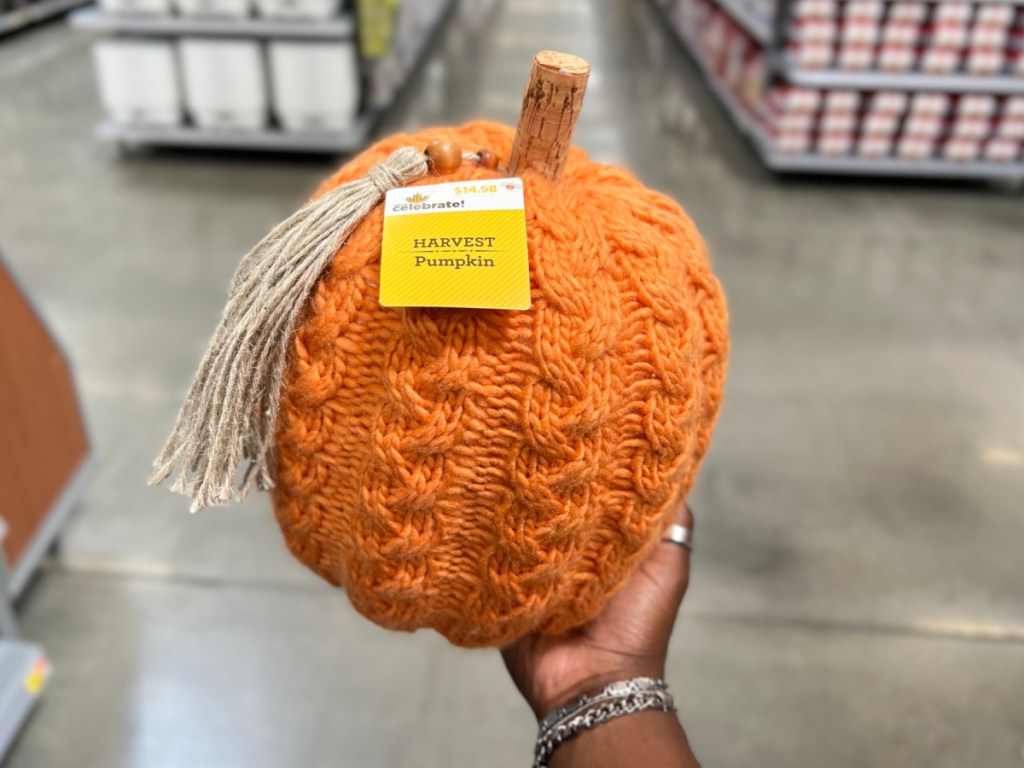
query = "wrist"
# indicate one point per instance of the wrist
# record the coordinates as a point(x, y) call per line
point(552, 694)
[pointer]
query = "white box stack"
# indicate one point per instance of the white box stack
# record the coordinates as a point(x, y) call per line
point(297, 9)
point(315, 85)
point(225, 84)
point(138, 81)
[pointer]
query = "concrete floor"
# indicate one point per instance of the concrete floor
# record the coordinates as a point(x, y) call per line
point(857, 591)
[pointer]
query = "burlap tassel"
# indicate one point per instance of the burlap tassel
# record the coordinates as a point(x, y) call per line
point(229, 413)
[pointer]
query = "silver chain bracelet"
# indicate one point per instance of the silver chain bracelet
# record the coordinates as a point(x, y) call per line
point(622, 698)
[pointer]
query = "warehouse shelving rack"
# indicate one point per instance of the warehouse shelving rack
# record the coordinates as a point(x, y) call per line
point(271, 139)
point(771, 33)
point(33, 13)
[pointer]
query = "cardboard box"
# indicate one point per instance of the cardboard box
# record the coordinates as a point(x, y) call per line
point(1002, 150)
point(972, 127)
point(915, 147)
point(814, 9)
point(976, 105)
point(860, 33)
point(901, 33)
point(837, 122)
point(793, 143)
point(984, 62)
point(947, 11)
point(961, 150)
point(907, 11)
point(894, 102)
point(835, 144)
point(940, 60)
point(225, 83)
point(136, 7)
point(897, 58)
point(315, 85)
point(298, 9)
point(925, 103)
point(811, 55)
point(879, 123)
point(1010, 128)
point(875, 145)
point(856, 57)
point(994, 14)
point(213, 8)
point(138, 81)
point(863, 10)
point(923, 125)
point(842, 101)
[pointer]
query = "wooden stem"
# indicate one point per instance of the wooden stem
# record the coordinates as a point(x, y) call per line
point(551, 105)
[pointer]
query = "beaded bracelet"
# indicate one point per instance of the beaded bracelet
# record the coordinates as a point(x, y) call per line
point(625, 697)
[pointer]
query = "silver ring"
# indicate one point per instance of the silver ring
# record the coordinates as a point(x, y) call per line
point(679, 534)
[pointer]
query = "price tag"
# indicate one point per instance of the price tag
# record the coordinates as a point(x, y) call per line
point(459, 244)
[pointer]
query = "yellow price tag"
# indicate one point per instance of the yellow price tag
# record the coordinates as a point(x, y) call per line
point(459, 244)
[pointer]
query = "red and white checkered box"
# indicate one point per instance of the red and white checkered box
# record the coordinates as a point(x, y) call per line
point(948, 36)
point(814, 9)
point(907, 11)
point(858, 32)
point(976, 105)
point(1010, 128)
point(951, 12)
point(814, 31)
point(811, 55)
point(1002, 150)
point(897, 58)
point(988, 37)
point(987, 61)
point(915, 147)
point(875, 145)
point(856, 57)
point(901, 33)
point(994, 15)
point(923, 125)
point(1013, 106)
point(792, 143)
point(893, 102)
point(864, 10)
point(930, 104)
point(835, 144)
point(842, 101)
point(961, 150)
point(972, 127)
point(878, 123)
point(940, 60)
point(788, 99)
point(837, 122)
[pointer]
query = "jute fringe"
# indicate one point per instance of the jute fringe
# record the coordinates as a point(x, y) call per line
point(228, 416)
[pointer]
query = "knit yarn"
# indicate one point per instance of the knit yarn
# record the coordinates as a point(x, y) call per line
point(492, 473)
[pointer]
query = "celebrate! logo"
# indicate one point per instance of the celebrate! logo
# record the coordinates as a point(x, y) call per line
point(417, 198)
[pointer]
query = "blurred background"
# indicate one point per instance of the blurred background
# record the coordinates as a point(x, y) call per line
point(857, 595)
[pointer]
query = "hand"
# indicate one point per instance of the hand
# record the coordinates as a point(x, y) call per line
point(628, 639)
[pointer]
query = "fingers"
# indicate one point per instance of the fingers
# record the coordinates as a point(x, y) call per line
point(672, 560)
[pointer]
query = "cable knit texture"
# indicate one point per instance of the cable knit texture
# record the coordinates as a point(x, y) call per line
point(492, 473)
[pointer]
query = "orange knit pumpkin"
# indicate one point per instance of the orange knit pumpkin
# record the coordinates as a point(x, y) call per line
point(491, 473)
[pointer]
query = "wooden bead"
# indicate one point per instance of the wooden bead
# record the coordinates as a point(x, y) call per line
point(443, 156)
point(488, 159)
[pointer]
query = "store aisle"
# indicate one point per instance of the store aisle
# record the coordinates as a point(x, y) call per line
point(856, 587)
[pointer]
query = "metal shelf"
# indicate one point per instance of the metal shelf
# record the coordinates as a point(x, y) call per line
point(902, 81)
point(338, 28)
point(754, 24)
point(271, 139)
point(849, 165)
point(36, 12)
